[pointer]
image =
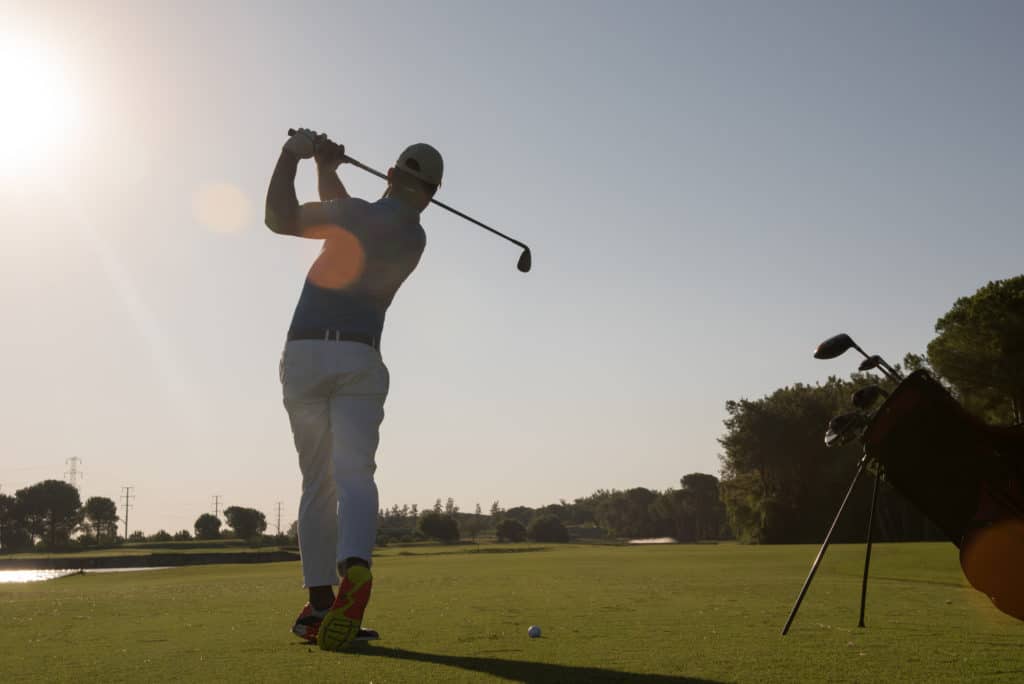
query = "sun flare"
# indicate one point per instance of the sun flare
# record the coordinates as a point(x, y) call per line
point(40, 108)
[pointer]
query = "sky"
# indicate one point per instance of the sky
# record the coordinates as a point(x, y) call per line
point(708, 189)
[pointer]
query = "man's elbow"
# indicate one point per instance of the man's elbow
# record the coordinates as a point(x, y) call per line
point(278, 223)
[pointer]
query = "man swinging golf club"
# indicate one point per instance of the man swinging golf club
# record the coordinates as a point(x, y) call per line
point(334, 380)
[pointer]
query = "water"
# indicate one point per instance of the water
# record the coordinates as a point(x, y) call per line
point(16, 576)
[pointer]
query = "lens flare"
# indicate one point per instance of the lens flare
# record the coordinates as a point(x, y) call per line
point(221, 207)
point(992, 558)
point(341, 261)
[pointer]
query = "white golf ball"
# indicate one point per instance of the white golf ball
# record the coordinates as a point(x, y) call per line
point(534, 631)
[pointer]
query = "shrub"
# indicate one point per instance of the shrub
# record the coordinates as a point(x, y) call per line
point(511, 530)
point(548, 528)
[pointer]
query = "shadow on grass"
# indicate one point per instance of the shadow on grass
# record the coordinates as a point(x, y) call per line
point(526, 671)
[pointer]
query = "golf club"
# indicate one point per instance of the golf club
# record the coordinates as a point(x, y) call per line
point(525, 262)
point(844, 428)
point(865, 397)
point(841, 343)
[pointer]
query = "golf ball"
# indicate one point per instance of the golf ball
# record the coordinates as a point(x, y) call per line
point(534, 631)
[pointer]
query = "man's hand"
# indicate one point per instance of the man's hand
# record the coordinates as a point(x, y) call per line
point(304, 143)
point(329, 155)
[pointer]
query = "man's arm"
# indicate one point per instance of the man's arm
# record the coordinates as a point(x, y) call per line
point(282, 210)
point(329, 156)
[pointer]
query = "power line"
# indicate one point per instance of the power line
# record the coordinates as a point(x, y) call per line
point(126, 494)
point(216, 505)
point(72, 473)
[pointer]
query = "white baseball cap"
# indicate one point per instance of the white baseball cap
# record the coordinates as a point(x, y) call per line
point(422, 161)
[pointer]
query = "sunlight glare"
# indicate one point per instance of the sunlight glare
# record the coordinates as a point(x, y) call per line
point(40, 108)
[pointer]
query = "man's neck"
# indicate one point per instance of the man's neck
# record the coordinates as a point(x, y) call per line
point(408, 199)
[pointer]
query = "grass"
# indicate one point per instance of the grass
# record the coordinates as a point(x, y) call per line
point(648, 614)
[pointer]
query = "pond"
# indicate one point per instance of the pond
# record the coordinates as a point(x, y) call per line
point(17, 576)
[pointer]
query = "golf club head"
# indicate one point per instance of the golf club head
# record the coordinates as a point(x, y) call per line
point(525, 261)
point(870, 363)
point(834, 346)
point(866, 397)
point(844, 428)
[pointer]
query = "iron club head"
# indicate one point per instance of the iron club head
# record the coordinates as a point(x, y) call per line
point(865, 397)
point(845, 428)
point(870, 363)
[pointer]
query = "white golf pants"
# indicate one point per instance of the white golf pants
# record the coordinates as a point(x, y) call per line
point(334, 393)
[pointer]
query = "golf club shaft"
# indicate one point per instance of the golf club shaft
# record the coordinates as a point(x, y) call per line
point(378, 174)
point(824, 547)
point(867, 553)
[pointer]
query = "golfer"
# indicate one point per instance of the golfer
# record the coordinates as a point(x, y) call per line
point(333, 378)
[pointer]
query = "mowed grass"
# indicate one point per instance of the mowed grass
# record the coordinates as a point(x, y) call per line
point(645, 614)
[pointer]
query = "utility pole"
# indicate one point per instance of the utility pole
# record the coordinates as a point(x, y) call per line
point(72, 474)
point(279, 518)
point(216, 505)
point(126, 494)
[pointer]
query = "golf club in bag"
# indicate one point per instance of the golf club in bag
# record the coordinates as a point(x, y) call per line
point(966, 476)
point(525, 262)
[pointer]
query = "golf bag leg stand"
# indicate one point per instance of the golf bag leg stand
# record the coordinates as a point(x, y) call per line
point(824, 546)
point(867, 554)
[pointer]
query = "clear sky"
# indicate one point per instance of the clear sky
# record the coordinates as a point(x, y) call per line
point(709, 189)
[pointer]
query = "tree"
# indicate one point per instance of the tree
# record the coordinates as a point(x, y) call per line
point(440, 526)
point(207, 526)
point(182, 535)
point(780, 484)
point(161, 536)
point(474, 523)
point(437, 506)
point(511, 530)
point(293, 532)
point(248, 523)
point(13, 535)
point(495, 510)
point(524, 514)
point(137, 536)
point(627, 514)
point(548, 528)
point(979, 349)
point(51, 510)
point(701, 491)
point(449, 507)
point(101, 513)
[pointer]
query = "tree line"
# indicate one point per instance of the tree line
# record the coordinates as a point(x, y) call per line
point(49, 514)
point(693, 512)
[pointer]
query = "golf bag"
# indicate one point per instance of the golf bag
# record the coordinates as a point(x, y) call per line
point(963, 474)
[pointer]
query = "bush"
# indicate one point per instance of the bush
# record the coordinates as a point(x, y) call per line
point(440, 526)
point(182, 535)
point(511, 530)
point(548, 528)
point(161, 536)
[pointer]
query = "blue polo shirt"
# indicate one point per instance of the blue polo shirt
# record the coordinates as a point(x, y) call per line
point(370, 249)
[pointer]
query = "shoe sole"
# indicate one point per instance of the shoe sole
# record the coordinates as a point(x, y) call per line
point(337, 631)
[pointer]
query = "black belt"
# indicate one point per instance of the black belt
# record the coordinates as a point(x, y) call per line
point(331, 335)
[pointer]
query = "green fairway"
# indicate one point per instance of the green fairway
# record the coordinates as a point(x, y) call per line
point(646, 614)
